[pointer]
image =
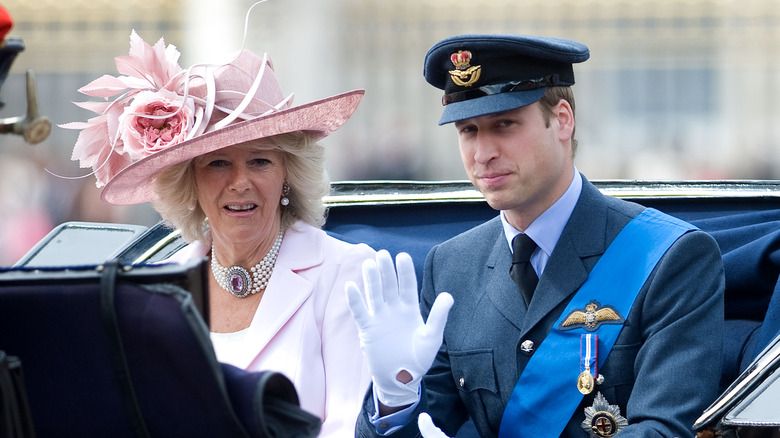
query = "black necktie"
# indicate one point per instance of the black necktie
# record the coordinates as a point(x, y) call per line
point(521, 271)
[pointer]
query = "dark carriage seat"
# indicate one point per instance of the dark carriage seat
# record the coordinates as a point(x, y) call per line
point(113, 352)
point(747, 230)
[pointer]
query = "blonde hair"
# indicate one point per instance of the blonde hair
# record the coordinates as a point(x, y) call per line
point(304, 161)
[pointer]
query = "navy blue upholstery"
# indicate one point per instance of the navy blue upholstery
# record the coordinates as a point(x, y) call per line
point(413, 228)
point(750, 243)
point(770, 327)
point(739, 345)
point(54, 322)
point(747, 231)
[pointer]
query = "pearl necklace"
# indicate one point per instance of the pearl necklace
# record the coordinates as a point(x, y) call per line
point(236, 279)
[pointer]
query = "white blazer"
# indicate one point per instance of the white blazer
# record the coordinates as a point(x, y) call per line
point(303, 327)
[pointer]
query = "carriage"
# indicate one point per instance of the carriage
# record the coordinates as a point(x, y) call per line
point(99, 337)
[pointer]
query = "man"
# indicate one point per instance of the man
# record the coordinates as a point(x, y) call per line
point(614, 325)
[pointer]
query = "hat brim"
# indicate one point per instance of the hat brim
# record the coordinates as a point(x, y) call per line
point(494, 103)
point(135, 183)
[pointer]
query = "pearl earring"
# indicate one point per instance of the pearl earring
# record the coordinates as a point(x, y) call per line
point(285, 201)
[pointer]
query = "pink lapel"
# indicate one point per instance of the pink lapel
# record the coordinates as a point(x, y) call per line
point(302, 249)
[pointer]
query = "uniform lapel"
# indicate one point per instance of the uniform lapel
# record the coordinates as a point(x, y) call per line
point(503, 292)
point(582, 241)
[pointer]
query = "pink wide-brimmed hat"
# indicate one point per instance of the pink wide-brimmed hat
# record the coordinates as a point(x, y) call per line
point(165, 115)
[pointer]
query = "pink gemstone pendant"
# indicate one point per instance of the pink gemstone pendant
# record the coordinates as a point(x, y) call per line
point(239, 280)
point(236, 283)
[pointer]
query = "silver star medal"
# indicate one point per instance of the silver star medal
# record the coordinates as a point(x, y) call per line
point(603, 419)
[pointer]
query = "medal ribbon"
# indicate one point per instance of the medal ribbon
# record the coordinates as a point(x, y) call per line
point(546, 395)
point(589, 344)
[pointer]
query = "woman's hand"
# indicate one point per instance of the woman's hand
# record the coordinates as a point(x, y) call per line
point(398, 346)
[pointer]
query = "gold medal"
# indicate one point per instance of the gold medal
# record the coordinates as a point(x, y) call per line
point(585, 382)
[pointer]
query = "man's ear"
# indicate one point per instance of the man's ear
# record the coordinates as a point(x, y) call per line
point(564, 115)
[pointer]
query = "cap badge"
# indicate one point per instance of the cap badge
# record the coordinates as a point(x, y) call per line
point(603, 419)
point(591, 317)
point(465, 74)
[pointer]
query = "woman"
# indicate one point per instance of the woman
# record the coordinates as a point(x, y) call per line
point(224, 157)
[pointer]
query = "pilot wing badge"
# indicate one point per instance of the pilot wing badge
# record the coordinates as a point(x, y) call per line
point(591, 317)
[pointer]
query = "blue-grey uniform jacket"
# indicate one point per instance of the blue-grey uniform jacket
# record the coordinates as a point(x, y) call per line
point(662, 372)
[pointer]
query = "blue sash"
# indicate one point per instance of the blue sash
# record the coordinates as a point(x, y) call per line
point(546, 394)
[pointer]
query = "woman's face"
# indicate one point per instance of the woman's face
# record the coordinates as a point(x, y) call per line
point(239, 189)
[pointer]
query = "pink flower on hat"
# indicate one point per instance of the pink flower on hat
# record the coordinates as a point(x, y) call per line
point(119, 135)
point(171, 119)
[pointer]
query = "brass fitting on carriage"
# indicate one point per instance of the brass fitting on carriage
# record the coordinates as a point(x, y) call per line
point(32, 126)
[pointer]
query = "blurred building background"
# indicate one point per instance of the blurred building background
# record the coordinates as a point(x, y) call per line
point(674, 89)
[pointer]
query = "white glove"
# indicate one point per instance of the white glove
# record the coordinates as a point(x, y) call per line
point(427, 428)
point(392, 333)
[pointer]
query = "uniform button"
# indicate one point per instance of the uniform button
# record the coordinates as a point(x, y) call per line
point(384, 425)
point(462, 382)
point(527, 347)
